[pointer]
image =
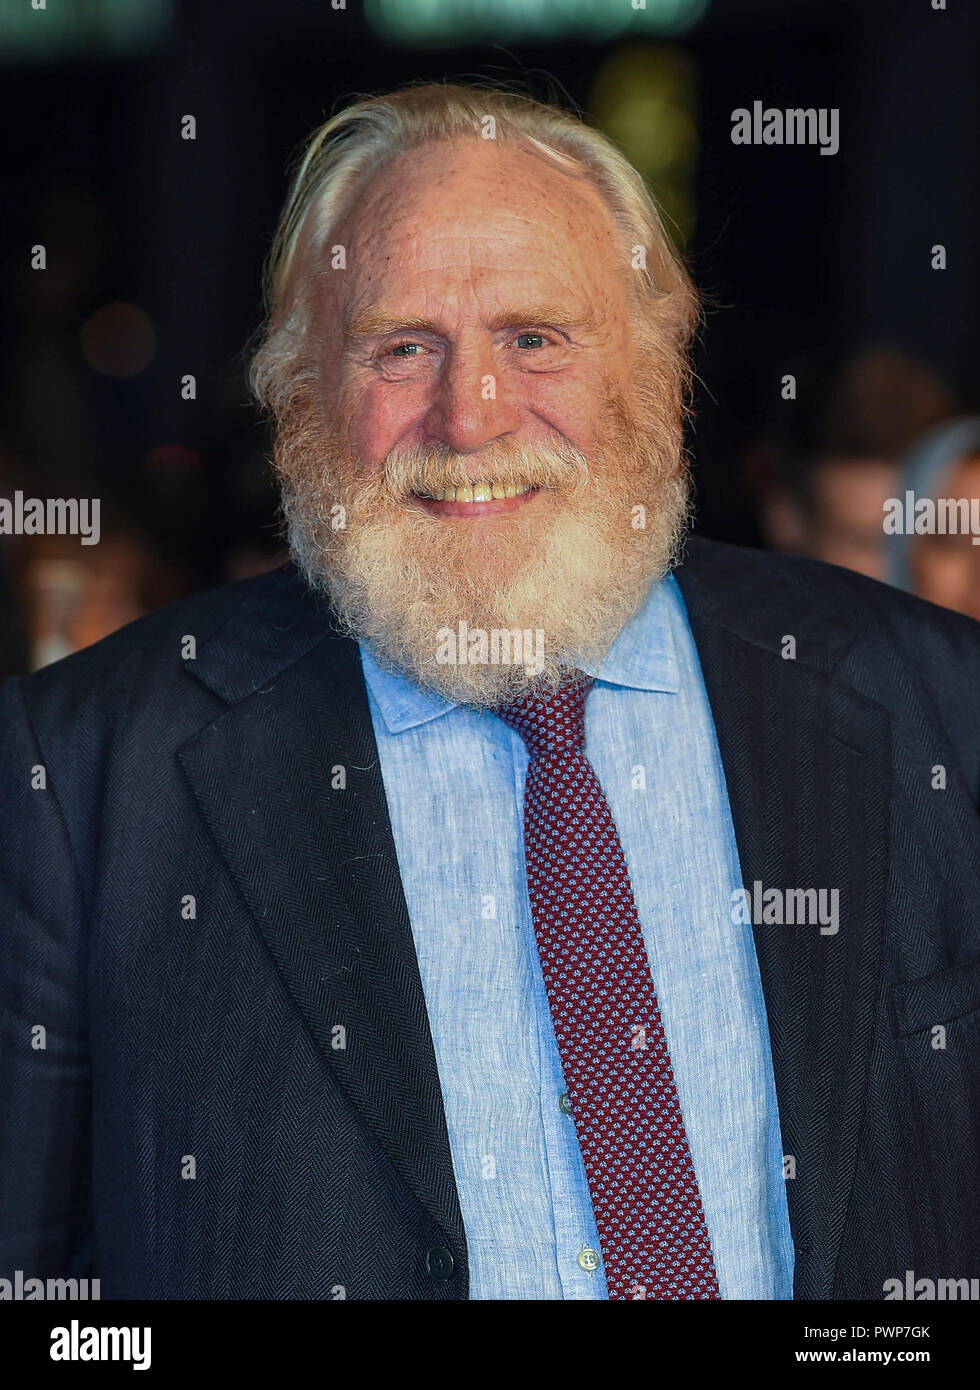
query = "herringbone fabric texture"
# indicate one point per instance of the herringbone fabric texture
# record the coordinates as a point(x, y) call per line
point(614, 1054)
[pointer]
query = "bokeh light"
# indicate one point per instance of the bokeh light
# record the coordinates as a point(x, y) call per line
point(645, 98)
point(118, 340)
point(449, 21)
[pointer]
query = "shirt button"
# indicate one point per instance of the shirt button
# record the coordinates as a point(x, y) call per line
point(565, 1101)
point(439, 1263)
point(588, 1259)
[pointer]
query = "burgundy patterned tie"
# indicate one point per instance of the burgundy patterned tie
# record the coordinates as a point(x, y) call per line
point(645, 1197)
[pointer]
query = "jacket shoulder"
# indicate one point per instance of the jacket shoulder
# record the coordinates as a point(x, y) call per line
point(155, 639)
point(842, 595)
point(129, 701)
point(137, 679)
point(920, 661)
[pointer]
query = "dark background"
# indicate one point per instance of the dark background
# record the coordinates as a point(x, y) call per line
point(803, 257)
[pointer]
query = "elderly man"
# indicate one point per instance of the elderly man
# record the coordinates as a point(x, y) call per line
point(493, 902)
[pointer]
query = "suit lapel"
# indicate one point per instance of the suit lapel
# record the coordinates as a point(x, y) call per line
point(806, 760)
point(289, 784)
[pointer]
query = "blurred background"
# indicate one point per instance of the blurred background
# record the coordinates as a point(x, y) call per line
point(837, 367)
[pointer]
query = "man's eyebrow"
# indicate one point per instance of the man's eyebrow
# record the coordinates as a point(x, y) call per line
point(528, 315)
point(372, 323)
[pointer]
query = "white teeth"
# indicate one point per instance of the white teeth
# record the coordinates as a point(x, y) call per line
point(478, 492)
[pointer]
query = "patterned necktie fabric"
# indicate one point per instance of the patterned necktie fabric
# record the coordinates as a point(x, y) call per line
point(645, 1197)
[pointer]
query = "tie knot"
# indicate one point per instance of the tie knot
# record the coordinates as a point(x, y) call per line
point(554, 723)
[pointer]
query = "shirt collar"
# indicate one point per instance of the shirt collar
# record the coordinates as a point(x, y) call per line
point(643, 657)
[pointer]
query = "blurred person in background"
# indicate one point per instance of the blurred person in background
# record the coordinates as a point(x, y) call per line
point(839, 461)
point(72, 597)
point(941, 567)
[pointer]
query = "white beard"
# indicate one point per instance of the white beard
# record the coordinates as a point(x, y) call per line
point(569, 568)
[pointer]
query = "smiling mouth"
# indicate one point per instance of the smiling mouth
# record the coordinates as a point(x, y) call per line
point(477, 499)
point(477, 492)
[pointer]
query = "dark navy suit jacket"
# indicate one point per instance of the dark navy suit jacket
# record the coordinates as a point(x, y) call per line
point(189, 907)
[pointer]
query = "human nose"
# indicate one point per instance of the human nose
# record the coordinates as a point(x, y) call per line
point(469, 409)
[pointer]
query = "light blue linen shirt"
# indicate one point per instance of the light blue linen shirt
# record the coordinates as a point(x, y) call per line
point(454, 780)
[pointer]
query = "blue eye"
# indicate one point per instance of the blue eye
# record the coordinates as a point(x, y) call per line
point(536, 339)
point(405, 349)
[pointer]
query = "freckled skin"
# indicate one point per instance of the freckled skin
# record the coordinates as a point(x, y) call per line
point(468, 237)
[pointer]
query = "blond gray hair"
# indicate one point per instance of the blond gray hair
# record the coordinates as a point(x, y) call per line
point(346, 151)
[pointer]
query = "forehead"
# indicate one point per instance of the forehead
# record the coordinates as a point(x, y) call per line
point(472, 217)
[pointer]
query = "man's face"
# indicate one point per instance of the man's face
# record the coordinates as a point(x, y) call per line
point(485, 302)
point(479, 342)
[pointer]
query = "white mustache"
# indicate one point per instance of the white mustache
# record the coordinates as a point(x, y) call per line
point(426, 469)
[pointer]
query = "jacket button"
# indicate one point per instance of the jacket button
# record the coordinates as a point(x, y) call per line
point(439, 1263)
